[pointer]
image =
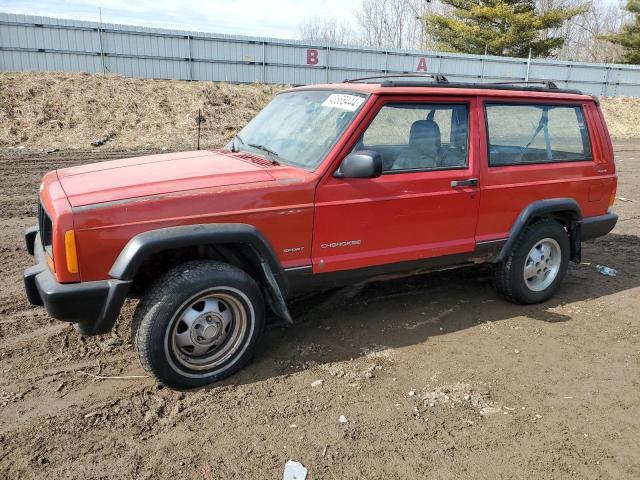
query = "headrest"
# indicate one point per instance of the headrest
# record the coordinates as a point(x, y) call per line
point(425, 136)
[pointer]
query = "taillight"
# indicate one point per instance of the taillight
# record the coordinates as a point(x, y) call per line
point(70, 251)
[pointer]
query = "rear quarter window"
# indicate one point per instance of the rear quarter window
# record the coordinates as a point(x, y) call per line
point(536, 133)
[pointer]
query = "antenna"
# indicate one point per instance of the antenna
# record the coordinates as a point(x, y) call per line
point(104, 67)
point(199, 121)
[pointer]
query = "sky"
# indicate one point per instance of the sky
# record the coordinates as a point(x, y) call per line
point(267, 18)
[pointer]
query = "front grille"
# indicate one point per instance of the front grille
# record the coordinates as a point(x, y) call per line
point(46, 230)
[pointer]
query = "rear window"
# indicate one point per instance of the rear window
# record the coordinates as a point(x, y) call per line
point(524, 134)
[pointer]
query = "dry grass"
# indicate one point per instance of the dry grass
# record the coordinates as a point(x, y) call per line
point(68, 111)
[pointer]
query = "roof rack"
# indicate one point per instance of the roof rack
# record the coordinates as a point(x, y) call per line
point(547, 83)
point(440, 81)
point(437, 77)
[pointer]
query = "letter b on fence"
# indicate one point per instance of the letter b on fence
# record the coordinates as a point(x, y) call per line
point(312, 56)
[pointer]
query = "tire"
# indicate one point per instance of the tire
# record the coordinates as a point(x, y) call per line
point(198, 323)
point(536, 284)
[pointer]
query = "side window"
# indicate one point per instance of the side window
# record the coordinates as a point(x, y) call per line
point(419, 136)
point(522, 134)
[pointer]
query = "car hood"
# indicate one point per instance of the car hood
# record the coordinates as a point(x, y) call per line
point(158, 174)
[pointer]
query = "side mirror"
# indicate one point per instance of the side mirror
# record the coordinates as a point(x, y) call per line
point(360, 164)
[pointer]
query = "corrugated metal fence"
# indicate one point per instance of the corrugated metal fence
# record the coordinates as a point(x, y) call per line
point(51, 44)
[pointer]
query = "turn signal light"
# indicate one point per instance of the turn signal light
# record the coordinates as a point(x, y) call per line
point(612, 198)
point(70, 251)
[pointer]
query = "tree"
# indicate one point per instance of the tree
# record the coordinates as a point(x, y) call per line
point(584, 34)
point(394, 23)
point(629, 35)
point(503, 27)
point(326, 30)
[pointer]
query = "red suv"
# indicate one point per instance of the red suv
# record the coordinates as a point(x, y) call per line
point(328, 185)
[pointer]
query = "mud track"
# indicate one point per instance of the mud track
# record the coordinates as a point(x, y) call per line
point(437, 375)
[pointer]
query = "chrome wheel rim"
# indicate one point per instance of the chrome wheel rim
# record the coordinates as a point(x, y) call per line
point(207, 331)
point(542, 264)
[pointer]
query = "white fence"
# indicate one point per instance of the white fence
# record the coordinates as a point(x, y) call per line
point(51, 44)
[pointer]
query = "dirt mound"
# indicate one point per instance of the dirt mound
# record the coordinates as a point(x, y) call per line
point(69, 111)
point(622, 115)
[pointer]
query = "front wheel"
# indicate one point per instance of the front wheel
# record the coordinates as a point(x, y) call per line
point(198, 324)
point(537, 264)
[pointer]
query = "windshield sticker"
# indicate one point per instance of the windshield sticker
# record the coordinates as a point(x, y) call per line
point(343, 101)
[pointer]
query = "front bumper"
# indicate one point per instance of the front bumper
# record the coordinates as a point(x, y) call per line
point(92, 306)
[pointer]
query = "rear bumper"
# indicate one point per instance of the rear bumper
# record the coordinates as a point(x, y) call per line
point(593, 227)
point(92, 306)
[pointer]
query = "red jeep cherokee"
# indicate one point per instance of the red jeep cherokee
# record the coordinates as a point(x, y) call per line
point(328, 185)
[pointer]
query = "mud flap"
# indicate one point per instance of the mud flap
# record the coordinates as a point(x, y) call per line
point(575, 240)
point(275, 299)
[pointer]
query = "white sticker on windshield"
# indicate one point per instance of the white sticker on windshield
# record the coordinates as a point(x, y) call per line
point(343, 101)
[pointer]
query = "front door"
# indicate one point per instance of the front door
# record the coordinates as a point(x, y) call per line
point(425, 204)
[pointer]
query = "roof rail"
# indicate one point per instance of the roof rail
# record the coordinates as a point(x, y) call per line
point(547, 83)
point(438, 78)
point(440, 81)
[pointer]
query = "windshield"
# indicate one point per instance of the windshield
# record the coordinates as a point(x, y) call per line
point(298, 128)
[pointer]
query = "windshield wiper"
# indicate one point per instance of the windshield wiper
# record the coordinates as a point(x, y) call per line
point(268, 151)
point(235, 149)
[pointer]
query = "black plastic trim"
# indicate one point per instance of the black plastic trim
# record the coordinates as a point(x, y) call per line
point(437, 77)
point(360, 164)
point(538, 209)
point(142, 246)
point(30, 285)
point(479, 86)
point(93, 306)
point(30, 238)
point(303, 280)
point(421, 170)
point(546, 162)
point(594, 227)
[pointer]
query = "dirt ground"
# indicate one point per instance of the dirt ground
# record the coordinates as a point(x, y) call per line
point(437, 376)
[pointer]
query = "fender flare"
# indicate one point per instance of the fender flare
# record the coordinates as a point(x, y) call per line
point(142, 246)
point(543, 208)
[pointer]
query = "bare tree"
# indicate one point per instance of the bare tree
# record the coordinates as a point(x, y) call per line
point(326, 30)
point(394, 23)
point(582, 34)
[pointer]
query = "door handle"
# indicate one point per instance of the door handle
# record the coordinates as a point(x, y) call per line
point(472, 182)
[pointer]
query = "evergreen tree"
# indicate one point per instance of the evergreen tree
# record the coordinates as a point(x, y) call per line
point(629, 36)
point(504, 27)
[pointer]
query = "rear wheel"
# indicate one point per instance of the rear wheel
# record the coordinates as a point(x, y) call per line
point(198, 324)
point(537, 264)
